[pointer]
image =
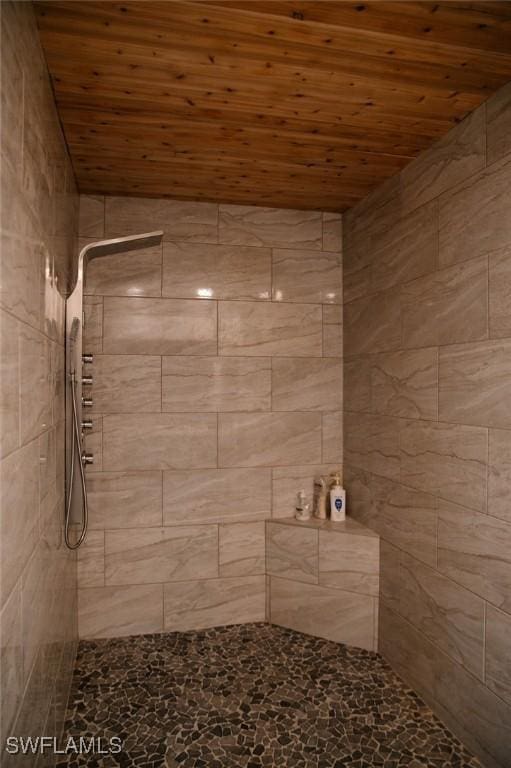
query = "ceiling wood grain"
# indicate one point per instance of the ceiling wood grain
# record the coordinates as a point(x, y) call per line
point(306, 104)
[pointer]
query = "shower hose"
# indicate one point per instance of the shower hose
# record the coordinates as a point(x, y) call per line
point(76, 449)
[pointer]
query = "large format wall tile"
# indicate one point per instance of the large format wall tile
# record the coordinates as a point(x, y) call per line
point(92, 216)
point(448, 615)
point(475, 383)
point(35, 381)
point(448, 306)
point(241, 549)
point(180, 220)
point(343, 617)
point(332, 443)
point(274, 227)
point(499, 264)
point(474, 216)
point(498, 652)
point(306, 276)
point(250, 328)
point(371, 442)
point(93, 324)
point(498, 131)
point(216, 384)
point(390, 574)
point(405, 383)
point(9, 372)
point(124, 499)
point(11, 658)
point(160, 326)
point(216, 271)
point(91, 560)
point(126, 383)
point(135, 273)
point(445, 459)
point(120, 611)
point(216, 495)
point(372, 324)
point(332, 231)
point(214, 602)
point(292, 552)
point(357, 384)
point(159, 441)
point(149, 555)
point(300, 384)
point(499, 474)
point(349, 562)
point(332, 331)
point(266, 439)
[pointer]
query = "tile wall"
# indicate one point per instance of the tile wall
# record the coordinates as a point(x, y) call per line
point(217, 396)
point(427, 418)
point(39, 218)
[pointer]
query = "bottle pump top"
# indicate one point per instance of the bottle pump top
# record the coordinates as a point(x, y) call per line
point(336, 478)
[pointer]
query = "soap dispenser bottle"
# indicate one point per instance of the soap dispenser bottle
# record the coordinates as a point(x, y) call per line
point(337, 500)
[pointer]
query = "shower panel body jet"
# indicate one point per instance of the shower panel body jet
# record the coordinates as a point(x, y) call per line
point(79, 381)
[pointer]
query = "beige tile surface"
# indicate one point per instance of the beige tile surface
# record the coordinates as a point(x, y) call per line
point(371, 442)
point(120, 611)
point(128, 274)
point(332, 231)
point(448, 460)
point(9, 372)
point(21, 274)
point(181, 220)
point(405, 383)
point(92, 216)
point(274, 227)
point(306, 384)
point(35, 383)
point(159, 326)
point(287, 481)
point(332, 331)
point(372, 324)
point(91, 560)
point(124, 499)
point(475, 383)
point(216, 496)
point(390, 575)
point(266, 439)
point(498, 121)
point(93, 324)
point(215, 602)
point(349, 562)
point(11, 658)
point(151, 555)
point(499, 474)
point(126, 383)
point(216, 271)
point(260, 329)
point(308, 276)
point(499, 264)
point(498, 652)
point(94, 445)
point(475, 551)
point(332, 440)
point(216, 384)
point(292, 552)
point(242, 549)
point(357, 383)
point(159, 441)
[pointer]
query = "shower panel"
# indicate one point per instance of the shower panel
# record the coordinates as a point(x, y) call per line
point(79, 380)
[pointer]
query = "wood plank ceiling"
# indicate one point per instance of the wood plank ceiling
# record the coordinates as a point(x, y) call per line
point(280, 103)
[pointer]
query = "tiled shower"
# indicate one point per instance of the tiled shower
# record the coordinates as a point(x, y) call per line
point(254, 349)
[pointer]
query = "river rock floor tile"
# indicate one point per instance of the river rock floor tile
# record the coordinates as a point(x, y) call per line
point(250, 696)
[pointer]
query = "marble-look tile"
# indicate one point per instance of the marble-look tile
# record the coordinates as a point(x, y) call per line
point(47, 463)
point(259, 329)
point(455, 157)
point(93, 324)
point(216, 272)
point(10, 374)
point(273, 227)
point(405, 383)
point(446, 307)
point(120, 611)
point(20, 289)
point(214, 602)
point(475, 550)
point(35, 400)
point(499, 264)
point(126, 384)
point(12, 102)
point(306, 276)
point(499, 474)
point(94, 444)
point(292, 552)
point(332, 441)
point(124, 499)
point(92, 216)
point(332, 331)
point(372, 324)
point(473, 215)
point(313, 384)
point(159, 326)
point(11, 659)
point(19, 510)
point(266, 439)
point(287, 481)
point(390, 575)
point(216, 496)
point(241, 549)
point(349, 562)
point(91, 560)
point(343, 617)
point(475, 383)
point(357, 384)
point(406, 250)
point(136, 273)
point(498, 125)
point(332, 231)
point(179, 219)
point(159, 441)
point(150, 555)
point(216, 384)
point(498, 652)
point(371, 442)
point(447, 460)
point(448, 615)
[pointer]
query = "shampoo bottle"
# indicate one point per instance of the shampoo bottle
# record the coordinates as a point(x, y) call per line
point(337, 500)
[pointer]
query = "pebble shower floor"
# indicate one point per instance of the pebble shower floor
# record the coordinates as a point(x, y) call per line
point(251, 695)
